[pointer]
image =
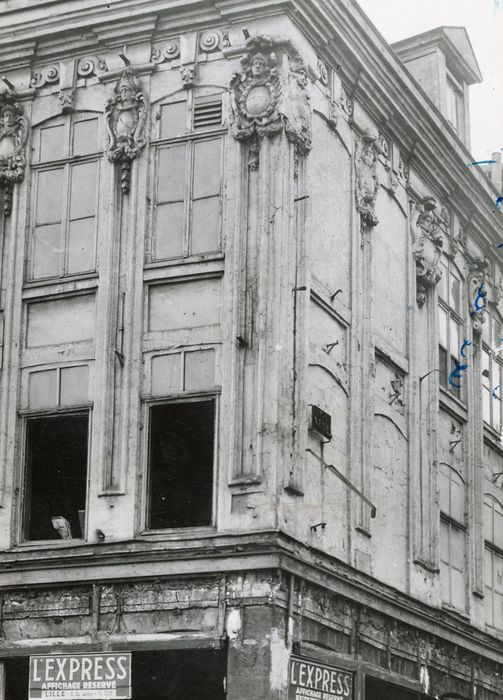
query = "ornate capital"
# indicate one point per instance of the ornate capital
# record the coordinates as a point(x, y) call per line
point(14, 127)
point(367, 183)
point(270, 93)
point(427, 247)
point(125, 115)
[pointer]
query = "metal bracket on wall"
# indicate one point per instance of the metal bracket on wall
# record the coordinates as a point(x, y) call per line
point(373, 509)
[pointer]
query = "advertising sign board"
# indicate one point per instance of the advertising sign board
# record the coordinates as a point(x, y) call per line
point(82, 676)
point(310, 679)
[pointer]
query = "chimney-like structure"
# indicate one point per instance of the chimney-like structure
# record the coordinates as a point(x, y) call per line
point(444, 64)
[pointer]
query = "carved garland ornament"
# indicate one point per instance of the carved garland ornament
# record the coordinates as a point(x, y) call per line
point(427, 248)
point(270, 93)
point(125, 116)
point(367, 183)
point(14, 128)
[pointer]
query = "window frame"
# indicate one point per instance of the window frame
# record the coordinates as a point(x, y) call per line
point(495, 551)
point(494, 361)
point(458, 317)
point(191, 137)
point(179, 398)
point(65, 164)
point(85, 409)
point(454, 96)
point(461, 527)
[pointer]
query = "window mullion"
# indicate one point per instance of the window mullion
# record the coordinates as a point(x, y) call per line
point(65, 219)
point(189, 186)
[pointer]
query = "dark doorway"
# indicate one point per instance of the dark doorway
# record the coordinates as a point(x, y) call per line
point(16, 678)
point(380, 690)
point(179, 675)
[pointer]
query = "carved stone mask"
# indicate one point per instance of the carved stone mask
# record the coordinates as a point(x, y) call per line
point(426, 222)
point(258, 66)
point(126, 92)
point(8, 117)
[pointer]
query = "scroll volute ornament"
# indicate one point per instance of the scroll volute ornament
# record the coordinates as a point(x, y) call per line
point(367, 182)
point(14, 128)
point(427, 248)
point(270, 93)
point(125, 115)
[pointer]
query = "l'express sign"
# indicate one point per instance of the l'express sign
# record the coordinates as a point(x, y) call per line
point(82, 676)
point(310, 679)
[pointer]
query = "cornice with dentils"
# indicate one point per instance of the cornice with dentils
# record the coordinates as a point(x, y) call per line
point(344, 38)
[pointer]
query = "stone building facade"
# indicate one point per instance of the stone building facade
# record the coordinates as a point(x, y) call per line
point(250, 406)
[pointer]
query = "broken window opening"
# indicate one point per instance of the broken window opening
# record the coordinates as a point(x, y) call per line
point(56, 459)
point(181, 459)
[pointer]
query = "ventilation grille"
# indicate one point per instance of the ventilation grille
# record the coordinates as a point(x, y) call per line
point(207, 114)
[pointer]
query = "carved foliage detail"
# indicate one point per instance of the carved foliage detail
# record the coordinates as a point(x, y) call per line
point(367, 183)
point(270, 93)
point(427, 248)
point(14, 128)
point(125, 115)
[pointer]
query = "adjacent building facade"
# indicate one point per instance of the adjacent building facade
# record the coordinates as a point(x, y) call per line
point(250, 406)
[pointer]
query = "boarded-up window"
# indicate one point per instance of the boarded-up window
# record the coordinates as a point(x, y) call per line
point(60, 321)
point(179, 305)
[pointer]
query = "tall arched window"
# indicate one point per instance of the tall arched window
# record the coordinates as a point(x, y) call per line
point(493, 574)
point(452, 537)
point(450, 324)
point(65, 191)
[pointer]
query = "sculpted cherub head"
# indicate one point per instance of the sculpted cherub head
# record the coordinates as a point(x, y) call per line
point(127, 88)
point(9, 114)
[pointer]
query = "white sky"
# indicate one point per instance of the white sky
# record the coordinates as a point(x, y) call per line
point(483, 19)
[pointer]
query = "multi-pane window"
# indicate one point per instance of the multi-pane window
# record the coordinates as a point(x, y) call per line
point(493, 569)
point(492, 362)
point(450, 325)
point(55, 406)
point(65, 188)
point(180, 464)
point(452, 537)
point(187, 202)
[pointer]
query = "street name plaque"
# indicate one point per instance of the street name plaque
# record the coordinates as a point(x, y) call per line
point(80, 676)
point(310, 679)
